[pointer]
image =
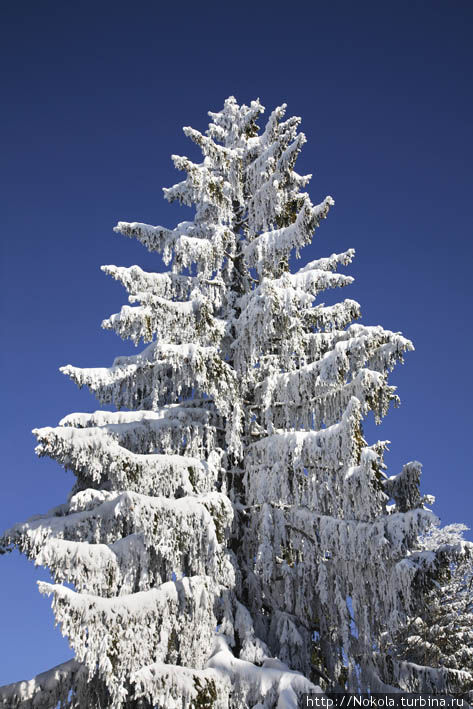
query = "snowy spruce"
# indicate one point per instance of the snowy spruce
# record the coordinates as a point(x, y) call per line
point(231, 539)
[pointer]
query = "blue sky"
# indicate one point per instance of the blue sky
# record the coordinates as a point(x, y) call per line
point(94, 100)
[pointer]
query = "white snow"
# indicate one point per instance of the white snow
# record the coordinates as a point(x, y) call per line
point(232, 538)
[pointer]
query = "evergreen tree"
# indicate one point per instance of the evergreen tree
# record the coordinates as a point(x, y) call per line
point(229, 537)
point(440, 634)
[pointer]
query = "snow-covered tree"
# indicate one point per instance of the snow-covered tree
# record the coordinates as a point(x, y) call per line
point(230, 540)
point(441, 635)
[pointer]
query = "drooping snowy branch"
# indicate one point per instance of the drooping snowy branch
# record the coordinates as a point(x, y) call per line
point(277, 244)
point(160, 375)
point(119, 450)
point(44, 691)
point(130, 632)
point(107, 538)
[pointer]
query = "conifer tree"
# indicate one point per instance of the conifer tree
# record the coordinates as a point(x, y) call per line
point(229, 539)
point(440, 634)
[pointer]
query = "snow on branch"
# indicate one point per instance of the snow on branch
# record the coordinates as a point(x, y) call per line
point(272, 183)
point(274, 682)
point(226, 161)
point(330, 263)
point(271, 315)
point(404, 487)
point(356, 366)
point(411, 677)
point(166, 285)
point(202, 185)
point(184, 245)
point(101, 453)
point(175, 322)
point(317, 479)
point(46, 690)
point(277, 244)
point(129, 541)
point(114, 516)
point(332, 317)
point(234, 123)
point(130, 632)
point(292, 546)
point(170, 686)
point(160, 374)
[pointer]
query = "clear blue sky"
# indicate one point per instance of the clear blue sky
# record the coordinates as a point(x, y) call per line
point(93, 104)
